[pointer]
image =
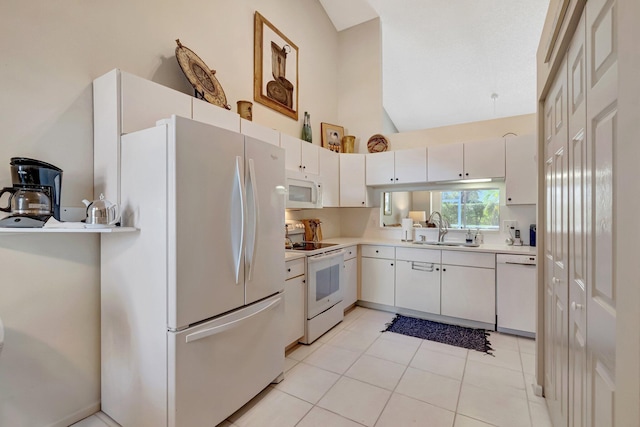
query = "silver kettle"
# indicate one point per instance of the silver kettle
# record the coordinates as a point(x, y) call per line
point(101, 213)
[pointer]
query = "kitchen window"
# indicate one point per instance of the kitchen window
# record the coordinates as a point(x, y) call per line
point(478, 208)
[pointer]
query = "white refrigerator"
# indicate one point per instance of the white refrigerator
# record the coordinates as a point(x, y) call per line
point(192, 303)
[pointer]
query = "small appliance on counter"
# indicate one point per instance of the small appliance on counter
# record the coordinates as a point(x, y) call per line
point(35, 194)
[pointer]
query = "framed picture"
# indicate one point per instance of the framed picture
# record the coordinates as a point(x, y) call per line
point(275, 68)
point(332, 137)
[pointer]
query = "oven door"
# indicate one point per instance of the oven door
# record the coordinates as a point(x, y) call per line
point(324, 277)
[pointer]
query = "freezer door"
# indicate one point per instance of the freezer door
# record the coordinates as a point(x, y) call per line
point(265, 188)
point(217, 367)
point(206, 206)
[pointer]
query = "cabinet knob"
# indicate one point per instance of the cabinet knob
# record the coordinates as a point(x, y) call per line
point(396, 179)
point(363, 203)
point(304, 167)
point(437, 269)
point(288, 270)
point(391, 264)
point(467, 174)
point(376, 251)
point(299, 166)
point(390, 179)
point(444, 269)
point(459, 174)
point(575, 306)
point(509, 199)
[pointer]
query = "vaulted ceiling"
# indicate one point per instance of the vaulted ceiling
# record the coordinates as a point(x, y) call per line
point(450, 62)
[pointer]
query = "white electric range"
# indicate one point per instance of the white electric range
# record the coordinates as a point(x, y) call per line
point(325, 276)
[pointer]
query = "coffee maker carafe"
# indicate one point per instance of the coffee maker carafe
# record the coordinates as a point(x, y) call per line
point(35, 195)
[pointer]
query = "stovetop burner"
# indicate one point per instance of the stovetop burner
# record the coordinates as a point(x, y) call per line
point(311, 246)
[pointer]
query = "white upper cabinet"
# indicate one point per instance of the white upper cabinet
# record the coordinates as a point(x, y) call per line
point(329, 178)
point(212, 114)
point(397, 167)
point(445, 162)
point(470, 160)
point(380, 168)
point(260, 132)
point(145, 102)
point(353, 191)
point(521, 170)
point(484, 159)
point(301, 156)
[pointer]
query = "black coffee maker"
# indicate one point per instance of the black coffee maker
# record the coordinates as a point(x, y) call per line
point(35, 194)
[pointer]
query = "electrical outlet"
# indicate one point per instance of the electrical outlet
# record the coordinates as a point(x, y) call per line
point(506, 225)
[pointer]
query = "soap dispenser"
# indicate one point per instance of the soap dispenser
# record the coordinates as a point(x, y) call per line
point(469, 237)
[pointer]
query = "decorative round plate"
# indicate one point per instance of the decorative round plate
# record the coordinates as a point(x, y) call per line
point(377, 144)
point(201, 77)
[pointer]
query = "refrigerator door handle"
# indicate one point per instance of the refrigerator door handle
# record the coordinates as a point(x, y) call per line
point(239, 187)
point(230, 325)
point(256, 216)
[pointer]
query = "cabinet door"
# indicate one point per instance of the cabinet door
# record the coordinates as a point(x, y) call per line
point(378, 281)
point(293, 155)
point(521, 170)
point(484, 159)
point(353, 192)
point(445, 162)
point(293, 309)
point(380, 169)
point(469, 293)
point(411, 166)
point(418, 286)
point(145, 102)
point(329, 166)
point(310, 155)
point(260, 132)
point(350, 290)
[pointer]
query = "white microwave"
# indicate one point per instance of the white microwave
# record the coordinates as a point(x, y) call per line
point(303, 193)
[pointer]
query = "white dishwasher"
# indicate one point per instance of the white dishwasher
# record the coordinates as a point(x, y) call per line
point(516, 294)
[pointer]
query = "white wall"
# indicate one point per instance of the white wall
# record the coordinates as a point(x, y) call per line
point(52, 51)
point(360, 84)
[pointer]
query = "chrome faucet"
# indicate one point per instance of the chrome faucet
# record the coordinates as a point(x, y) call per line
point(443, 224)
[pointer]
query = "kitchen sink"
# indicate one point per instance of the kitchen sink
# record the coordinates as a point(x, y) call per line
point(461, 244)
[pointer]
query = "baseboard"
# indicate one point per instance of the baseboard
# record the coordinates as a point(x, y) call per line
point(77, 416)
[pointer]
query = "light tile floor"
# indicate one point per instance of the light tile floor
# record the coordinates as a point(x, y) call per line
point(355, 375)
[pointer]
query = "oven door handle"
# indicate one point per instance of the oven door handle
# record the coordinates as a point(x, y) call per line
point(325, 256)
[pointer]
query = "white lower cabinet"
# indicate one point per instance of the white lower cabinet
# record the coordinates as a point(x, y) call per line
point(469, 293)
point(418, 279)
point(378, 274)
point(350, 288)
point(294, 298)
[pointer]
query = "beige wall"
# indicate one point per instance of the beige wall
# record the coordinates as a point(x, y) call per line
point(52, 51)
point(360, 83)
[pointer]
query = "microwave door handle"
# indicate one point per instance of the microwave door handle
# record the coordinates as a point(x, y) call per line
point(241, 196)
point(256, 216)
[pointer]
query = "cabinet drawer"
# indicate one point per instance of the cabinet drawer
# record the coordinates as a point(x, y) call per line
point(375, 251)
point(294, 268)
point(469, 259)
point(350, 252)
point(422, 255)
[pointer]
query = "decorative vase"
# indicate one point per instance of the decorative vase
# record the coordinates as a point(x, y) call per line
point(245, 109)
point(348, 142)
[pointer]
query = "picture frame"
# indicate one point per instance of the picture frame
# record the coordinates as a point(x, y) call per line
point(332, 136)
point(275, 68)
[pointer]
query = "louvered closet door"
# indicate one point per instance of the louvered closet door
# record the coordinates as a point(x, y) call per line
point(580, 157)
point(602, 97)
point(556, 250)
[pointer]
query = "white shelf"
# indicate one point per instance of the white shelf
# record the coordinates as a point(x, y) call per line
point(68, 230)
